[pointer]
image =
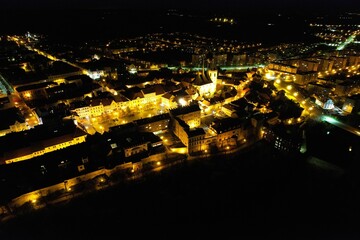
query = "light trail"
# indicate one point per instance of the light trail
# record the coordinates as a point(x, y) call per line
point(346, 42)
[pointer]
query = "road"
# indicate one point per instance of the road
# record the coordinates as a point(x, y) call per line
point(339, 124)
point(346, 42)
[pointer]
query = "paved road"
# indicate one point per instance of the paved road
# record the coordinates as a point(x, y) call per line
point(339, 124)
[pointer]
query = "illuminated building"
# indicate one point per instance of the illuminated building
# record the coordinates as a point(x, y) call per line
point(352, 104)
point(96, 108)
point(191, 115)
point(329, 104)
point(285, 138)
point(197, 60)
point(353, 60)
point(219, 60)
point(230, 131)
point(282, 68)
point(131, 143)
point(168, 101)
point(339, 62)
point(239, 59)
point(11, 121)
point(205, 83)
point(133, 146)
point(304, 65)
point(135, 99)
point(228, 109)
point(263, 120)
point(193, 138)
point(153, 124)
point(34, 91)
point(143, 98)
point(39, 145)
point(303, 78)
point(152, 96)
point(325, 64)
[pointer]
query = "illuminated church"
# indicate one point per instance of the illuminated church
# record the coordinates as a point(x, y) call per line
point(205, 83)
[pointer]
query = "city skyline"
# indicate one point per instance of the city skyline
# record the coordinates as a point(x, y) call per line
point(123, 115)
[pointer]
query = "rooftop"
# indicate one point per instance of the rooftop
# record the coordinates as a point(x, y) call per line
point(185, 110)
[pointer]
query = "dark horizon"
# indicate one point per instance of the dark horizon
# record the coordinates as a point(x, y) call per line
point(294, 6)
point(88, 24)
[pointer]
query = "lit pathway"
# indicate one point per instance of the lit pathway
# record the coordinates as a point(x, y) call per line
point(339, 124)
point(346, 42)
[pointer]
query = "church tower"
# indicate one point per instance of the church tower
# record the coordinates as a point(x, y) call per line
point(213, 74)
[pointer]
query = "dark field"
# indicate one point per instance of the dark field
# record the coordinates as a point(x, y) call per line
point(258, 194)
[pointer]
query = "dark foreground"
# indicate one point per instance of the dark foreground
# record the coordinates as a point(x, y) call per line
point(258, 194)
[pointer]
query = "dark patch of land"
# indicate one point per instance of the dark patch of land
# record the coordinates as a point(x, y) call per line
point(259, 193)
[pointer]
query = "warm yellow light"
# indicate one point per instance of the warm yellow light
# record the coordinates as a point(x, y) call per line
point(296, 94)
point(289, 87)
point(278, 81)
point(158, 163)
point(182, 102)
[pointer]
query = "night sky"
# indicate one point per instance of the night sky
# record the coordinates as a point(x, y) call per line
point(257, 4)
